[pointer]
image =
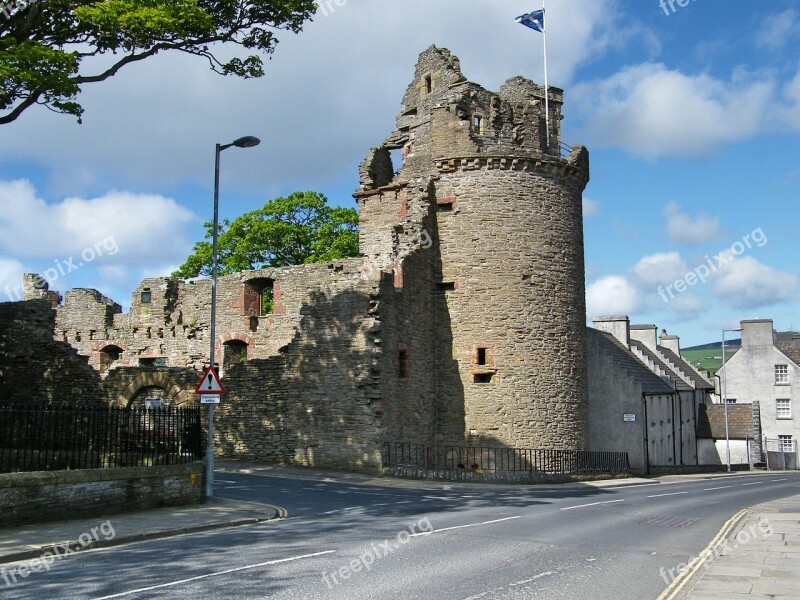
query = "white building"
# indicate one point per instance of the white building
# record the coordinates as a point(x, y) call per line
point(766, 373)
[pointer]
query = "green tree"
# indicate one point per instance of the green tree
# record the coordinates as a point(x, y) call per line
point(299, 229)
point(43, 43)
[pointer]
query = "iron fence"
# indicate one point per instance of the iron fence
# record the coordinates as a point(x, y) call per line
point(52, 438)
point(528, 460)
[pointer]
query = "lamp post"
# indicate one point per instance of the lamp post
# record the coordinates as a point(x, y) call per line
point(243, 142)
point(724, 383)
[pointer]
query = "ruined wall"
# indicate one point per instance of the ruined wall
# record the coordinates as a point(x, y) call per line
point(319, 402)
point(36, 368)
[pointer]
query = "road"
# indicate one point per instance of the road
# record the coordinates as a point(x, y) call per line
point(356, 541)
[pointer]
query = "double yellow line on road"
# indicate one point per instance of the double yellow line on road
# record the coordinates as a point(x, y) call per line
point(677, 585)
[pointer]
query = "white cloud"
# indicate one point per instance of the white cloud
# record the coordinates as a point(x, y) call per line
point(611, 295)
point(591, 208)
point(686, 307)
point(789, 111)
point(660, 269)
point(121, 227)
point(777, 30)
point(653, 111)
point(747, 283)
point(329, 94)
point(10, 279)
point(682, 229)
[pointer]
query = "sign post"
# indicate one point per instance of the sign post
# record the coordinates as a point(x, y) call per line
point(210, 389)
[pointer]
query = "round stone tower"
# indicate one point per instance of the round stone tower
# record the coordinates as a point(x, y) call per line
point(506, 209)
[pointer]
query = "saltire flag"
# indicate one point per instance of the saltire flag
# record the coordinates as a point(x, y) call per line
point(534, 20)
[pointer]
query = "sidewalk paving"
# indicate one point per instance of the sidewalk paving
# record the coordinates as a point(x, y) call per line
point(35, 540)
point(759, 558)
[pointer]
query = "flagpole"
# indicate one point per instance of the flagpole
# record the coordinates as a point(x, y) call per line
point(546, 86)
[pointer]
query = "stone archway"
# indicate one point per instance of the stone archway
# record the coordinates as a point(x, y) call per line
point(152, 380)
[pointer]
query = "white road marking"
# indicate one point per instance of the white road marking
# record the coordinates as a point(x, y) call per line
point(463, 526)
point(754, 483)
point(534, 578)
point(672, 494)
point(724, 487)
point(226, 572)
point(224, 481)
point(592, 504)
point(778, 480)
point(517, 583)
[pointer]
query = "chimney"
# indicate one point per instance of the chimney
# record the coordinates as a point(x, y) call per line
point(646, 334)
point(671, 342)
point(757, 333)
point(618, 326)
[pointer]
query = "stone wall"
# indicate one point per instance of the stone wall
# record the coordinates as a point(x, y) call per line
point(38, 497)
point(35, 368)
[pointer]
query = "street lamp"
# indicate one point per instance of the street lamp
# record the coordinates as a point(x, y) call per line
point(243, 142)
point(724, 382)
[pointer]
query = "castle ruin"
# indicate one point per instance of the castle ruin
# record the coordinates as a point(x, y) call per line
point(463, 320)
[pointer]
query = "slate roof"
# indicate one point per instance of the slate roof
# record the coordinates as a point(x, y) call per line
point(629, 362)
point(791, 348)
point(680, 384)
point(711, 421)
point(700, 382)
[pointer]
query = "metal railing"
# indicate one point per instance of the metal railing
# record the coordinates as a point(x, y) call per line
point(551, 462)
point(53, 438)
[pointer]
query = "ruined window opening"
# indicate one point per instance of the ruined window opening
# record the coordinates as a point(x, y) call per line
point(159, 361)
point(403, 366)
point(447, 286)
point(482, 377)
point(477, 123)
point(398, 158)
point(268, 301)
point(428, 84)
point(259, 297)
point(109, 355)
point(147, 297)
point(482, 356)
point(233, 353)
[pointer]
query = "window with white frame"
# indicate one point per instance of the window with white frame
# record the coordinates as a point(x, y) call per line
point(784, 408)
point(730, 400)
point(785, 443)
point(781, 374)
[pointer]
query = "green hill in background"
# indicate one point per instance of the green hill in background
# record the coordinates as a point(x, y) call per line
point(708, 357)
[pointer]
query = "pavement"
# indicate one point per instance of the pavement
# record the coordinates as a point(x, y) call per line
point(755, 555)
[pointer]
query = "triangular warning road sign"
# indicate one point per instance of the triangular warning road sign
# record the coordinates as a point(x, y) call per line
point(210, 383)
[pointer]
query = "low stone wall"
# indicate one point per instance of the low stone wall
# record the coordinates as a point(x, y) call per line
point(48, 496)
point(476, 476)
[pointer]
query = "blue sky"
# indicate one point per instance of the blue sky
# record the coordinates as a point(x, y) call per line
point(691, 117)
